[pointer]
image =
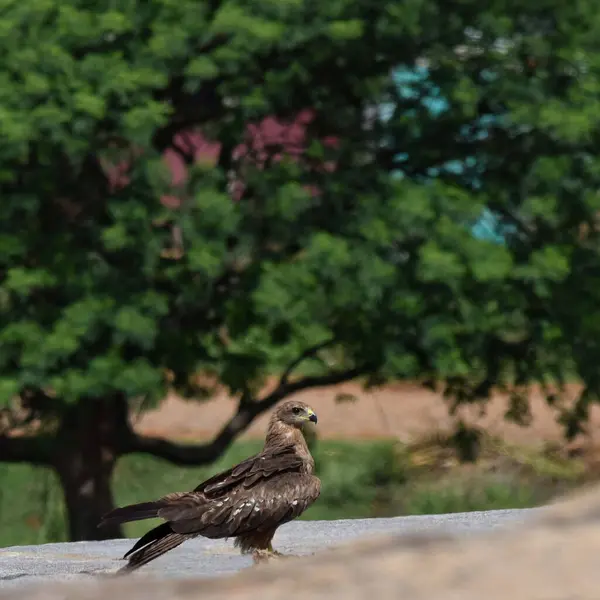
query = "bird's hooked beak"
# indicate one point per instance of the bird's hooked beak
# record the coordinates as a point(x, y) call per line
point(311, 415)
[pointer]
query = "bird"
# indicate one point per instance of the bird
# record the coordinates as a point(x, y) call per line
point(247, 502)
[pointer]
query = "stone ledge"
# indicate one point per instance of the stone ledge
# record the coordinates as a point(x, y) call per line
point(404, 557)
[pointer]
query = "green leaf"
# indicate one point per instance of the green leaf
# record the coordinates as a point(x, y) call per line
point(134, 326)
point(346, 30)
point(9, 389)
point(202, 67)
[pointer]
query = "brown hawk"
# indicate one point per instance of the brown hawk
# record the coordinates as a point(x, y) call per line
point(247, 502)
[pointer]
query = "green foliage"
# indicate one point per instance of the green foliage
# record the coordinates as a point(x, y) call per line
point(31, 506)
point(469, 496)
point(355, 482)
point(93, 299)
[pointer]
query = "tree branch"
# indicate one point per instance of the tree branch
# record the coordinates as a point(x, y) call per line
point(34, 450)
point(40, 404)
point(188, 455)
point(308, 353)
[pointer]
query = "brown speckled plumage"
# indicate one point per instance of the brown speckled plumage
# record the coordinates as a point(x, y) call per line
point(247, 502)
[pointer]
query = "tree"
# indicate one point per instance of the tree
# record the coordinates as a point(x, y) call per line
point(120, 278)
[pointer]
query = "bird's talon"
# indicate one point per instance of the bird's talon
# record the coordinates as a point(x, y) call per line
point(262, 556)
point(259, 557)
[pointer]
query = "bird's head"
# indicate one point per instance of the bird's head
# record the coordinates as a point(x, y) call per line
point(295, 413)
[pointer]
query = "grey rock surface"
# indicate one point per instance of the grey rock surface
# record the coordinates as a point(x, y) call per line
point(22, 565)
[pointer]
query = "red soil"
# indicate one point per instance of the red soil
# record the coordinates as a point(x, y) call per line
point(404, 411)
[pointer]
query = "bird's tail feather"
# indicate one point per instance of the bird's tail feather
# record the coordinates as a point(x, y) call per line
point(151, 536)
point(155, 543)
point(133, 512)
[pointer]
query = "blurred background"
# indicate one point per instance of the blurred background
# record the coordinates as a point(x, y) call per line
point(386, 209)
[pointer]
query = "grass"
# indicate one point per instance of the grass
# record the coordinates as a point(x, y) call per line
point(359, 479)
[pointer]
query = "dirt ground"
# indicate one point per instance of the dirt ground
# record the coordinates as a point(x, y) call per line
point(403, 411)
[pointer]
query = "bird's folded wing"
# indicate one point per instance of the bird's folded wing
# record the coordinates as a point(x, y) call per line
point(250, 471)
point(267, 504)
point(238, 498)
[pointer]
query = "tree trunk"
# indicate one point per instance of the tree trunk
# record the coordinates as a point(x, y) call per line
point(89, 439)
